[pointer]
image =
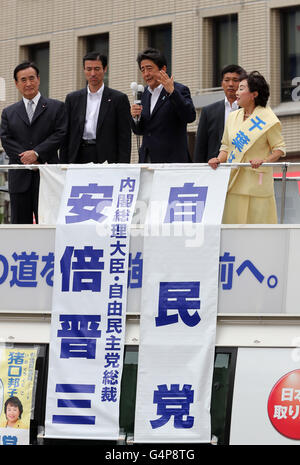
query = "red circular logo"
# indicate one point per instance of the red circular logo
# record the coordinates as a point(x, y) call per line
point(284, 405)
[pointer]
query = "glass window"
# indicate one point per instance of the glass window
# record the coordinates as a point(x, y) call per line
point(290, 50)
point(225, 44)
point(160, 37)
point(221, 401)
point(222, 390)
point(99, 43)
point(128, 390)
point(39, 54)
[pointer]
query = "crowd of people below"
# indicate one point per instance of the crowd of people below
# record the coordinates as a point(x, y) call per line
point(95, 125)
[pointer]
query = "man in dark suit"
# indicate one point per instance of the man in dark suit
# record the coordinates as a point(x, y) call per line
point(31, 132)
point(166, 109)
point(213, 116)
point(98, 119)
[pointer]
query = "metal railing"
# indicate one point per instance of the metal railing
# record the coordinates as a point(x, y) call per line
point(283, 166)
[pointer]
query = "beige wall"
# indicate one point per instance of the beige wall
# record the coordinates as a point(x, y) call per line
point(65, 24)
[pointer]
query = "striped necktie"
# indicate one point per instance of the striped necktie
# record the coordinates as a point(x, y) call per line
point(30, 110)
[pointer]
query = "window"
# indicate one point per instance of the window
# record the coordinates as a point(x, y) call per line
point(160, 37)
point(39, 54)
point(222, 391)
point(99, 43)
point(221, 400)
point(225, 44)
point(128, 389)
point(290, 50)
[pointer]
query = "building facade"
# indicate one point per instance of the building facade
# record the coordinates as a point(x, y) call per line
point(197, 36)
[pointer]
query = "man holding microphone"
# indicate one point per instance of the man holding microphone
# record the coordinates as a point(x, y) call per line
point(166, 109)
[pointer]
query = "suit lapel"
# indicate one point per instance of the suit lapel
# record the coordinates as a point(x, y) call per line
point(82, 103)
point(146, 99)
point(160, 101)
point(221, 116)
point(105, 102)
point(21, 110)
point(40, 108)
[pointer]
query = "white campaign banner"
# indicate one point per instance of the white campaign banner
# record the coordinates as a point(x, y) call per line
point(179, 305)
point(89, 302)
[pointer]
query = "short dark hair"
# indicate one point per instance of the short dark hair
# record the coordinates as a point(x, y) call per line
point(257, 83)
point(25, 65)
point(233, 69)
point(93, 56)
point(16, 402)
point(154, 55)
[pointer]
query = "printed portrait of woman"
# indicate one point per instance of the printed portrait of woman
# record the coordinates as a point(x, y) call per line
point(13, 410)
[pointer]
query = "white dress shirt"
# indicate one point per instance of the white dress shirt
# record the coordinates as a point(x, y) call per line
point(92, 111)
point(154, 96)
point(229, 108)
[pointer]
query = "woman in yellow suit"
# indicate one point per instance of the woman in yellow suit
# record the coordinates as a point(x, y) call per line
point(252, 135)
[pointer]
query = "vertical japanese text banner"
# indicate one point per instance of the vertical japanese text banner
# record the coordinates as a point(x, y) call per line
point(89, 302)
point(17, 374)
point(179, 305)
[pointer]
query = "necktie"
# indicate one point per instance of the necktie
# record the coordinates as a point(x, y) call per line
point(30, 110)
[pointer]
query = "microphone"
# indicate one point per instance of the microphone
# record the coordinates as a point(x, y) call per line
point(137, 92)
point(133, 87)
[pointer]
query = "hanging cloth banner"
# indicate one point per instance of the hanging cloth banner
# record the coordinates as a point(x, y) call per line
point(17, 374)
point(89, 302)
point(179, 305)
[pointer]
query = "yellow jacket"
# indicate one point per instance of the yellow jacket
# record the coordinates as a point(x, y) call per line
point(259, 142)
